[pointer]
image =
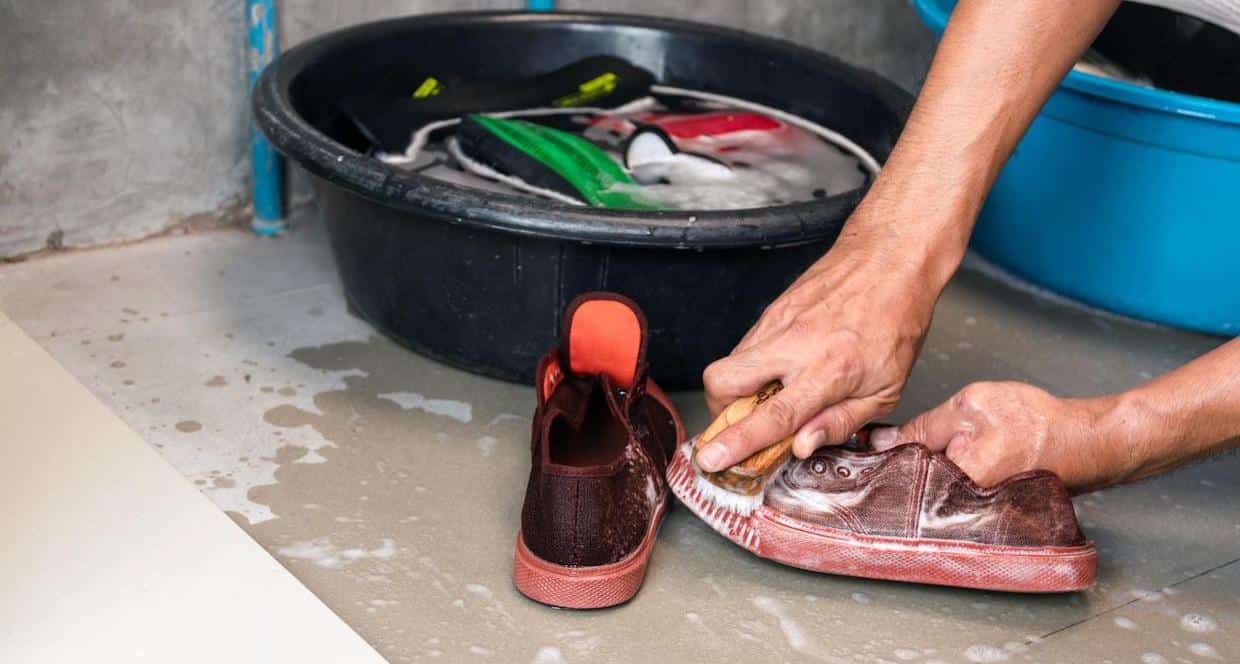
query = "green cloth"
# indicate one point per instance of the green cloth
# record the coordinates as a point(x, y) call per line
point(590, 170)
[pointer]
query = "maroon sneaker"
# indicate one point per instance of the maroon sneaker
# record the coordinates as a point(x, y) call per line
point(906, 514)
point(602, 436)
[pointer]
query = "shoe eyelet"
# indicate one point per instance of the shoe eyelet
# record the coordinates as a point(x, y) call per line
point(818, 466)
point(842, 471)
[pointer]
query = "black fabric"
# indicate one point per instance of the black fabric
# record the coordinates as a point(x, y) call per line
point(389, 113)
point(479, 144)
point(1174, 51)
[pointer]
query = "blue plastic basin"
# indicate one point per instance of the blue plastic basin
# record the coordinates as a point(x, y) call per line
point(1124, 197)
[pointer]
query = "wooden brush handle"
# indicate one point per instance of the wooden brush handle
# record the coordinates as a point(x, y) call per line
point(749, 475)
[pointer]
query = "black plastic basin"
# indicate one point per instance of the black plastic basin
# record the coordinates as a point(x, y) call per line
point(477, 279)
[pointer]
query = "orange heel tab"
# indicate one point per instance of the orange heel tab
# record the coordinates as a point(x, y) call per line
point(605, 333)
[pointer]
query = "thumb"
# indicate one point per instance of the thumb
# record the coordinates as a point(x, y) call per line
point(934, 428)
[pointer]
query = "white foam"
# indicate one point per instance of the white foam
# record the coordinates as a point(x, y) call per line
point(1198, 623)
point(479, 590)
point(1153, 658)
point(323, 553)
point(548, 655)
point(486, 444)
point(1125, 623)
point(744, 169)
point(1204, 650)
point(793, 633)
point(983, 654)
point(714, 585)
point(796, 637)
point(732, 502)
point(861, 598)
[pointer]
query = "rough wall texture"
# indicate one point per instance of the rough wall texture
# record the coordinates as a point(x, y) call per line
point(120, 119)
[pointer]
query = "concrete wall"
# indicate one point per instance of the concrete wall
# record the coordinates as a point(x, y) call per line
point(120, 119)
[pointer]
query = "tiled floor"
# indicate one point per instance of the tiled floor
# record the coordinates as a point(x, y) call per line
point(390, 485)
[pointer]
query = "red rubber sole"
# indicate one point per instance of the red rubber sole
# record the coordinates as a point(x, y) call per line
point(592, 587)
point(778, 537)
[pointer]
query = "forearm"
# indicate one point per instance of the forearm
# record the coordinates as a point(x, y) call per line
point(996, 65)
point(1186, 414)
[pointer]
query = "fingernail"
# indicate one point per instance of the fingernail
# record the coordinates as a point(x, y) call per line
point(881, 439)
point(808, 441)
point(710, 458)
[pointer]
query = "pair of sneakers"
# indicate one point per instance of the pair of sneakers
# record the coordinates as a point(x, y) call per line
point(609, 449)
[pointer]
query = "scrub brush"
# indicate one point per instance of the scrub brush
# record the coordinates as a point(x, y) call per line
point(725, 499)
point(739, 487)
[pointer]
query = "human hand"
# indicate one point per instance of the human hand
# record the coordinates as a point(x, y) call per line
point(842, 340)
point(993, 431)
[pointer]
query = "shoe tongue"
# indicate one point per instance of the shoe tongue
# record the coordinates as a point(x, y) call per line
point(605, 335)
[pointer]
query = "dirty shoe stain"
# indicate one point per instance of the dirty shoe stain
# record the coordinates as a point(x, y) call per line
point(188, 426)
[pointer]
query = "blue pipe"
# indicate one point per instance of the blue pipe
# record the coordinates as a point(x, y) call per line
point(540, 5)
point(267, 164)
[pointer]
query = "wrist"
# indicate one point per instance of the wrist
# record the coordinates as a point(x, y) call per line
point(907, 246)
point(1132, 435)
point(918, 218)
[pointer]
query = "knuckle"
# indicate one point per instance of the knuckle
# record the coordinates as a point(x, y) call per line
point(712, 376)
point(801, 326)
point(972, 397)
point(781, 412)
point(850, 364)
point(722, 376)
point(849, 361)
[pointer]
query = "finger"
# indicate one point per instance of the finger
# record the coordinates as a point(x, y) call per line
point(773, 420)
point(967, 453)
point(737, 375)
point(933, 428)
point(836, 424)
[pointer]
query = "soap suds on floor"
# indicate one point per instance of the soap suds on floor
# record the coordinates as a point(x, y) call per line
point(1204, 650)
point(1198, 623)
point(714, 585)
point(457, 410)
point(983, 654)
point(548, 655)
point(1125, 623)
point(312, 456)
point(323, 553)
point(793, 633)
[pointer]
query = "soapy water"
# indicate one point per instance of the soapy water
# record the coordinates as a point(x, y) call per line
point(774, 165)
